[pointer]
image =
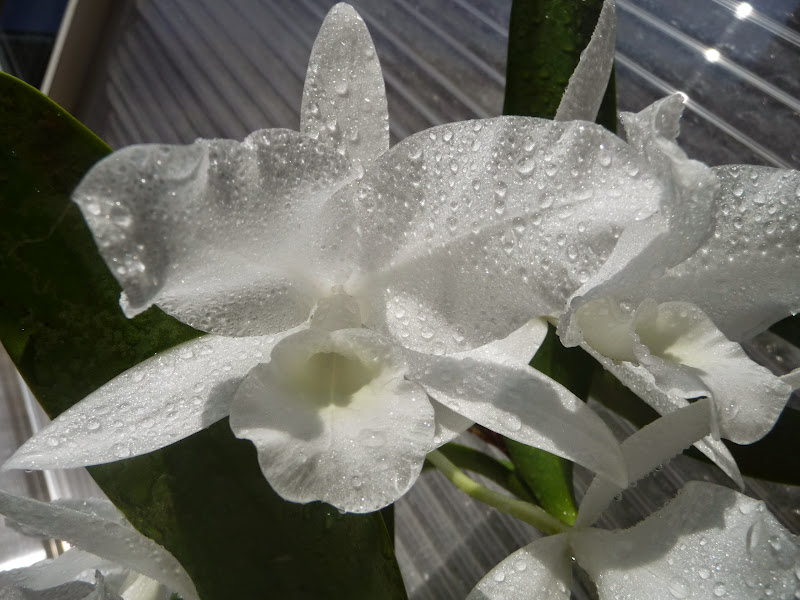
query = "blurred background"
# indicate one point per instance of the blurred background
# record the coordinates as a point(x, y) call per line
point(174, 70)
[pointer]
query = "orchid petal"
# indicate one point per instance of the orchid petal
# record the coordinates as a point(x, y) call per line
point(709, 542)
point(646, 449)
point(792, 379)
point(516, 349)
point(522, 404)
point(190, 228)
point(587, 85)
point(470, 229)
point(449, 424)
point(748, 398)
point(745, 275)
point(333, 419)
point(540, 570)
point(642, 382)
point(53, 572)
point(684, 220)
point(111, 539)
point(156, 403)
point(344, 101)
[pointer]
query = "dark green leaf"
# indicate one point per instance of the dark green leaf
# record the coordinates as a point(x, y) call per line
point(203, 498)
point(788, 329)
point(545, 41)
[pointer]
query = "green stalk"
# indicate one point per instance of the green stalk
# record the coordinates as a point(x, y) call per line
point(524, 511)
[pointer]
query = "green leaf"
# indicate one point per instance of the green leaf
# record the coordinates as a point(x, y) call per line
point(773, 458)
point(545, 41)
point(203, 498)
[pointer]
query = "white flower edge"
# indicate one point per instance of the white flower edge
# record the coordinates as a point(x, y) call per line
point(112, 539)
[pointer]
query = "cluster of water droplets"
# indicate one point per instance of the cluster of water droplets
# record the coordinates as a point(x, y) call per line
point(491, 211)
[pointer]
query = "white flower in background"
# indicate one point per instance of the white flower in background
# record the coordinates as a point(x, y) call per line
point(109, 560)
point(717, 262)
point(366, 304)
point(708, 542)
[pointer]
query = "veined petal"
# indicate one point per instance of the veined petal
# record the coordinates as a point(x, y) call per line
point(114, 540)
point(541, 570)
point(745, 275)
point(709, 542)
point(333, 419)
point(470, 229)
point(344, 101)
point(685, 218)
point(748, 398)
point(646, 449)
point(522, 404)
point(156, 403)
point(587, 85)
point(214, 232)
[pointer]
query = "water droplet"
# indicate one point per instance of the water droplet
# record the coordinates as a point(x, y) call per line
point(93, 425)
point(341, 88)
point(121, 450)
point(499, 576)
point(704, 573)
point(720, 590)
point(550, 169)
point(372, 438)
point(512, 421)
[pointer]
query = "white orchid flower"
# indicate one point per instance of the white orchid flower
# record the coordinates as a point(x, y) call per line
point(365, 304)
point(106, 548)
point(708, 542)
point(716, 263)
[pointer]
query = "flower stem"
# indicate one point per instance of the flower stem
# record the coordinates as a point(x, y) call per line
point(524, 511)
